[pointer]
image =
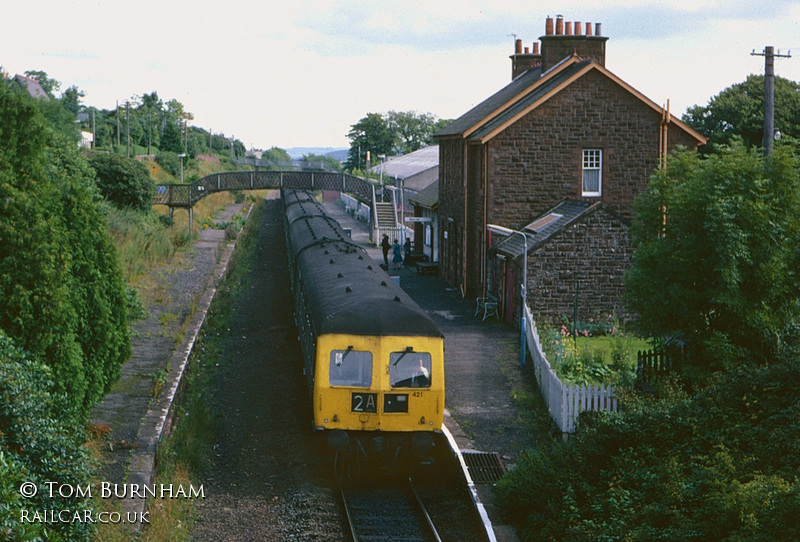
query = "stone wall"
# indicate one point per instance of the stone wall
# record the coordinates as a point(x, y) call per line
point(451, 207)
point(591, 257)
point(536, 162)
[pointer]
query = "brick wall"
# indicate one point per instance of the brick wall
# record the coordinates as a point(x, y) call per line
point(590, 256)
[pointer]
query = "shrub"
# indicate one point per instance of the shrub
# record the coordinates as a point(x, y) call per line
point(38, 444)
point(124, 182)
point(721, 465)
point(170, 161)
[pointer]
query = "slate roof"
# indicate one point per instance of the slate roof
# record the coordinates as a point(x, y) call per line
point(485, 119)
point(491, 104)
point(32, 86)
point(427, 197)
point(534, 95)
point(570, 210)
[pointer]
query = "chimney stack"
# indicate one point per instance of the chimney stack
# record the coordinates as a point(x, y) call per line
point(522, 59)
point(563, 42)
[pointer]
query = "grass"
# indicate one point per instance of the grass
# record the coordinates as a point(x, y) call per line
point(147, 243)
point(183, 453)
point(604, 345)
point(602, 359)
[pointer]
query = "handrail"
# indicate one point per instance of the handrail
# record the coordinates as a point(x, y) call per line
point(186, 195)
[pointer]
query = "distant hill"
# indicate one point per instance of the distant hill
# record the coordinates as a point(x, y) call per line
point(340, 153)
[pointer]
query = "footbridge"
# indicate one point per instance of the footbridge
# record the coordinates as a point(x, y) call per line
point(379, 198)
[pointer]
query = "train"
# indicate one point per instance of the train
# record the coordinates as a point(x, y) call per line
point(373, 359)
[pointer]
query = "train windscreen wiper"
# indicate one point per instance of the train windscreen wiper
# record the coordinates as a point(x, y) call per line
point(408, 350)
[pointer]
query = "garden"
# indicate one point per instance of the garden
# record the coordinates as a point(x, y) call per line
point(597, 351)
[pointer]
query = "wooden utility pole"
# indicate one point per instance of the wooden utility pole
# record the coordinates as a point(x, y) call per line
point(117, 123)
point(769, 95)
point(128, 128)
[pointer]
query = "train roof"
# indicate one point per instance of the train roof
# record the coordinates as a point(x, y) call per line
point(347, 291)
point(351, 294)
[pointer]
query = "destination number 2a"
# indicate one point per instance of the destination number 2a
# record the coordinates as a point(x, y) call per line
point(364, 402)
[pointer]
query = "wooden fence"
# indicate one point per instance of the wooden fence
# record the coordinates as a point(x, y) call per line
point(565, 401)
point(653, 365)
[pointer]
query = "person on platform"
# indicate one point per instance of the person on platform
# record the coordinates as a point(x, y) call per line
point(386, 246)
point(397, 255)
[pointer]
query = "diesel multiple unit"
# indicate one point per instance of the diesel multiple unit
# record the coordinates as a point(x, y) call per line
point(373, 358)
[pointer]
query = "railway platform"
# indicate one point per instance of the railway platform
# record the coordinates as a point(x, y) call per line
point(482, 371)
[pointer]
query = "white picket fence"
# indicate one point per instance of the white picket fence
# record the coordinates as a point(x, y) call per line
point(564, 401)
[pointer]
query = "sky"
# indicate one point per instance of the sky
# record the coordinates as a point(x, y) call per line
point(300, 73)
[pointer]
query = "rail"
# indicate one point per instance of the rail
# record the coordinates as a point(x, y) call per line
point(387, 513)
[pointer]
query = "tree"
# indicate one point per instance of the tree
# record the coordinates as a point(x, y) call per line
point(63, 294)
point(412, 130)
point(71, 99)
point(739, 111)
point(171, 140)
point(717, 255)
point(150, 113)
point(326, 162)
point(276, 154)
point(370, 134)
point(393, 133)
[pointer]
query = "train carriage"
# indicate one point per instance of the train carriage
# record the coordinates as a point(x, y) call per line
point(373, 358)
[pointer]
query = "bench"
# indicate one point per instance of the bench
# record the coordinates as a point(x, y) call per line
point(427, 268)
point(488, 305)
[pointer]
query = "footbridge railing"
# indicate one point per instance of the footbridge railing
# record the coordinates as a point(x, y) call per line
point(186, 195)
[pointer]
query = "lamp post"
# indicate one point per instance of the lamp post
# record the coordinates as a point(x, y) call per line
point(524, 286)
point(182, 156)
point(382, 159)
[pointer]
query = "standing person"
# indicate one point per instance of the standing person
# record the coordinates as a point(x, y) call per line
point(397, 255)
point(407, 249)
point(385, 246)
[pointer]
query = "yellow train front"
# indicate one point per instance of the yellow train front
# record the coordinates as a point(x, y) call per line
point(374, 359)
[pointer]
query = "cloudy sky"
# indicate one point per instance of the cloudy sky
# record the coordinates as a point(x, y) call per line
point(301, 72)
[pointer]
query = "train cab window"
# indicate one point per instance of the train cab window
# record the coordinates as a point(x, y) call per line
point(351, 368)
point(410, 369)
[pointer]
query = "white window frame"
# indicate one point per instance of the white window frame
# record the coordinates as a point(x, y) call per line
point(592, 165)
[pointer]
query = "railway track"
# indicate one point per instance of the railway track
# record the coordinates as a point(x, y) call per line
point(387, 514)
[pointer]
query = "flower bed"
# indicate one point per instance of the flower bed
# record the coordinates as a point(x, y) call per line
point(598, 355)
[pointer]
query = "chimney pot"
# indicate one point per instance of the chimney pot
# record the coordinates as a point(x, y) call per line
point(536, 47)
point(578, 28)
point(597, 31)
point(518, 46)
point(559, 25)
point(568, 29)
point(548, 26)
point(527, 51)
point(588, 29)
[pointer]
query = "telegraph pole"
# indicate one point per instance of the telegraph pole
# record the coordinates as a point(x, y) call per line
point(769, 95)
